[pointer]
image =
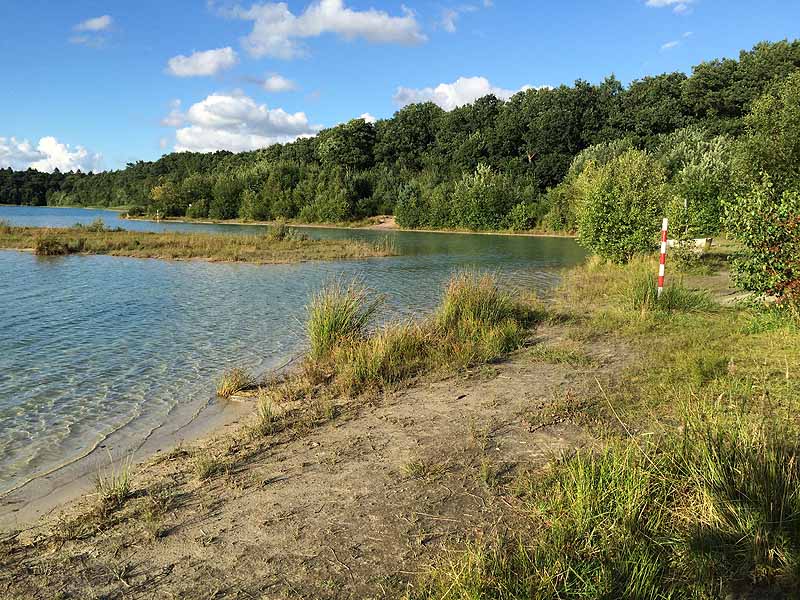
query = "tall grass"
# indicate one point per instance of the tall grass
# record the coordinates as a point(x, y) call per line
point(113, 485)
point(643, 295)
point(475, 323)
point(339, 314)
point(714, 510)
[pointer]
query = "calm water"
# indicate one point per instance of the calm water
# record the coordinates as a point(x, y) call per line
point(99, 351)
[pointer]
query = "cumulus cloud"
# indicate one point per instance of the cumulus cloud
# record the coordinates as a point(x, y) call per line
point(236, 122)
point(277, 31)
point(368, 118)
point(451, 95)
point(202, 64)
point(278, 83)
point(49, 154)
point(678, 6)
point(93, 32)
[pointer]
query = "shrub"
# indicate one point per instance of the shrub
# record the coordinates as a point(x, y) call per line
point(339, 314)
point(765, 217)
point(523, 217)
point(282, 232)
point(700, 180)
point(5, 226)
point(618, 215)
point(481, 200)
point(50, 245)
point(234, 381)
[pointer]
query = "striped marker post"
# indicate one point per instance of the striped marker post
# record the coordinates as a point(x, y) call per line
point(662, 261)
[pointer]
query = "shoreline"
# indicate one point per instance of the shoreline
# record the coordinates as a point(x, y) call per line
point(341, 226)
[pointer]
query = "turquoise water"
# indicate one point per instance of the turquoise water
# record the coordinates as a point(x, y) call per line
point(98, 352)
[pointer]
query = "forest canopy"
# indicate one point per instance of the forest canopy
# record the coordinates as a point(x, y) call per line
point(519, 164)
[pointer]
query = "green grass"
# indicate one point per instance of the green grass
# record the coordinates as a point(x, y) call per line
point(475, 323)
point(711, 510)
point(696, 492)
point(260, 249)
point(339, 314)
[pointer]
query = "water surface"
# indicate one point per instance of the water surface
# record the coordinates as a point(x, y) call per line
point(98, 352)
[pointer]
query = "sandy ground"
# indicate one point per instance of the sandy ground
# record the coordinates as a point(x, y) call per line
point(349, 507)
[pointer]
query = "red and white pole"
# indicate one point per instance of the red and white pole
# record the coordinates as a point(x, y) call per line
point(662, 261)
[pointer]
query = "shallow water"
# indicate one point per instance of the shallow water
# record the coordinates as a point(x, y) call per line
point(99, 351)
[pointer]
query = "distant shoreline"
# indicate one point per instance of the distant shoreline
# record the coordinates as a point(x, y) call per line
point(367, 227)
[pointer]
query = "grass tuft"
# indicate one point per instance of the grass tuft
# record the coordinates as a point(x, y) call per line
point(338, 315)
point(113, 486)
point(233, 381)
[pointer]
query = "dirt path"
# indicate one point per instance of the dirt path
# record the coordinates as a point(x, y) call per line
point(351, 508)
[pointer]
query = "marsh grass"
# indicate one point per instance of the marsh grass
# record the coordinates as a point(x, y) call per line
point(563, 353)
point(642, 293)
point(233, 381)
point(262, 249)
point(207, 465)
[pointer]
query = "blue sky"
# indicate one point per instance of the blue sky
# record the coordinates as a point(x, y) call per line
point(97, 83)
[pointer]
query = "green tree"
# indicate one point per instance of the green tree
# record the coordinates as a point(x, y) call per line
point(619, 213)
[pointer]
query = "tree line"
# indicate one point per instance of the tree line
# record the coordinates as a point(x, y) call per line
point(519, 164)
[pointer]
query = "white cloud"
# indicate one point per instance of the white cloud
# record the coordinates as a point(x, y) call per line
point(202, 64)
point(368, 118)
point(678, 6)
point(276, 30)
point(48, 155)
point(95, 24)
point(450, 15)
point(451, 95)
point(670, 45)
point(236, 122)
point(93, 32)
point(278, 83)
point(175, 116)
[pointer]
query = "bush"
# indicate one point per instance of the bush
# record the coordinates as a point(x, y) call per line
point(481, 200)
point(700, 181)
point(621, 206)
point(765, 217)
point(50, 245)
point(768, 225)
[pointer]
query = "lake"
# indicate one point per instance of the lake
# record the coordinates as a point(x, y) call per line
point(101, 354)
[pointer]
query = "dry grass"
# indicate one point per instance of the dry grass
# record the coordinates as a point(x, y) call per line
point(266, 249)
point(233, 381)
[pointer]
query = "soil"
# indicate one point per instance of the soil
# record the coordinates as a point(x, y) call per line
point(349, 507)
